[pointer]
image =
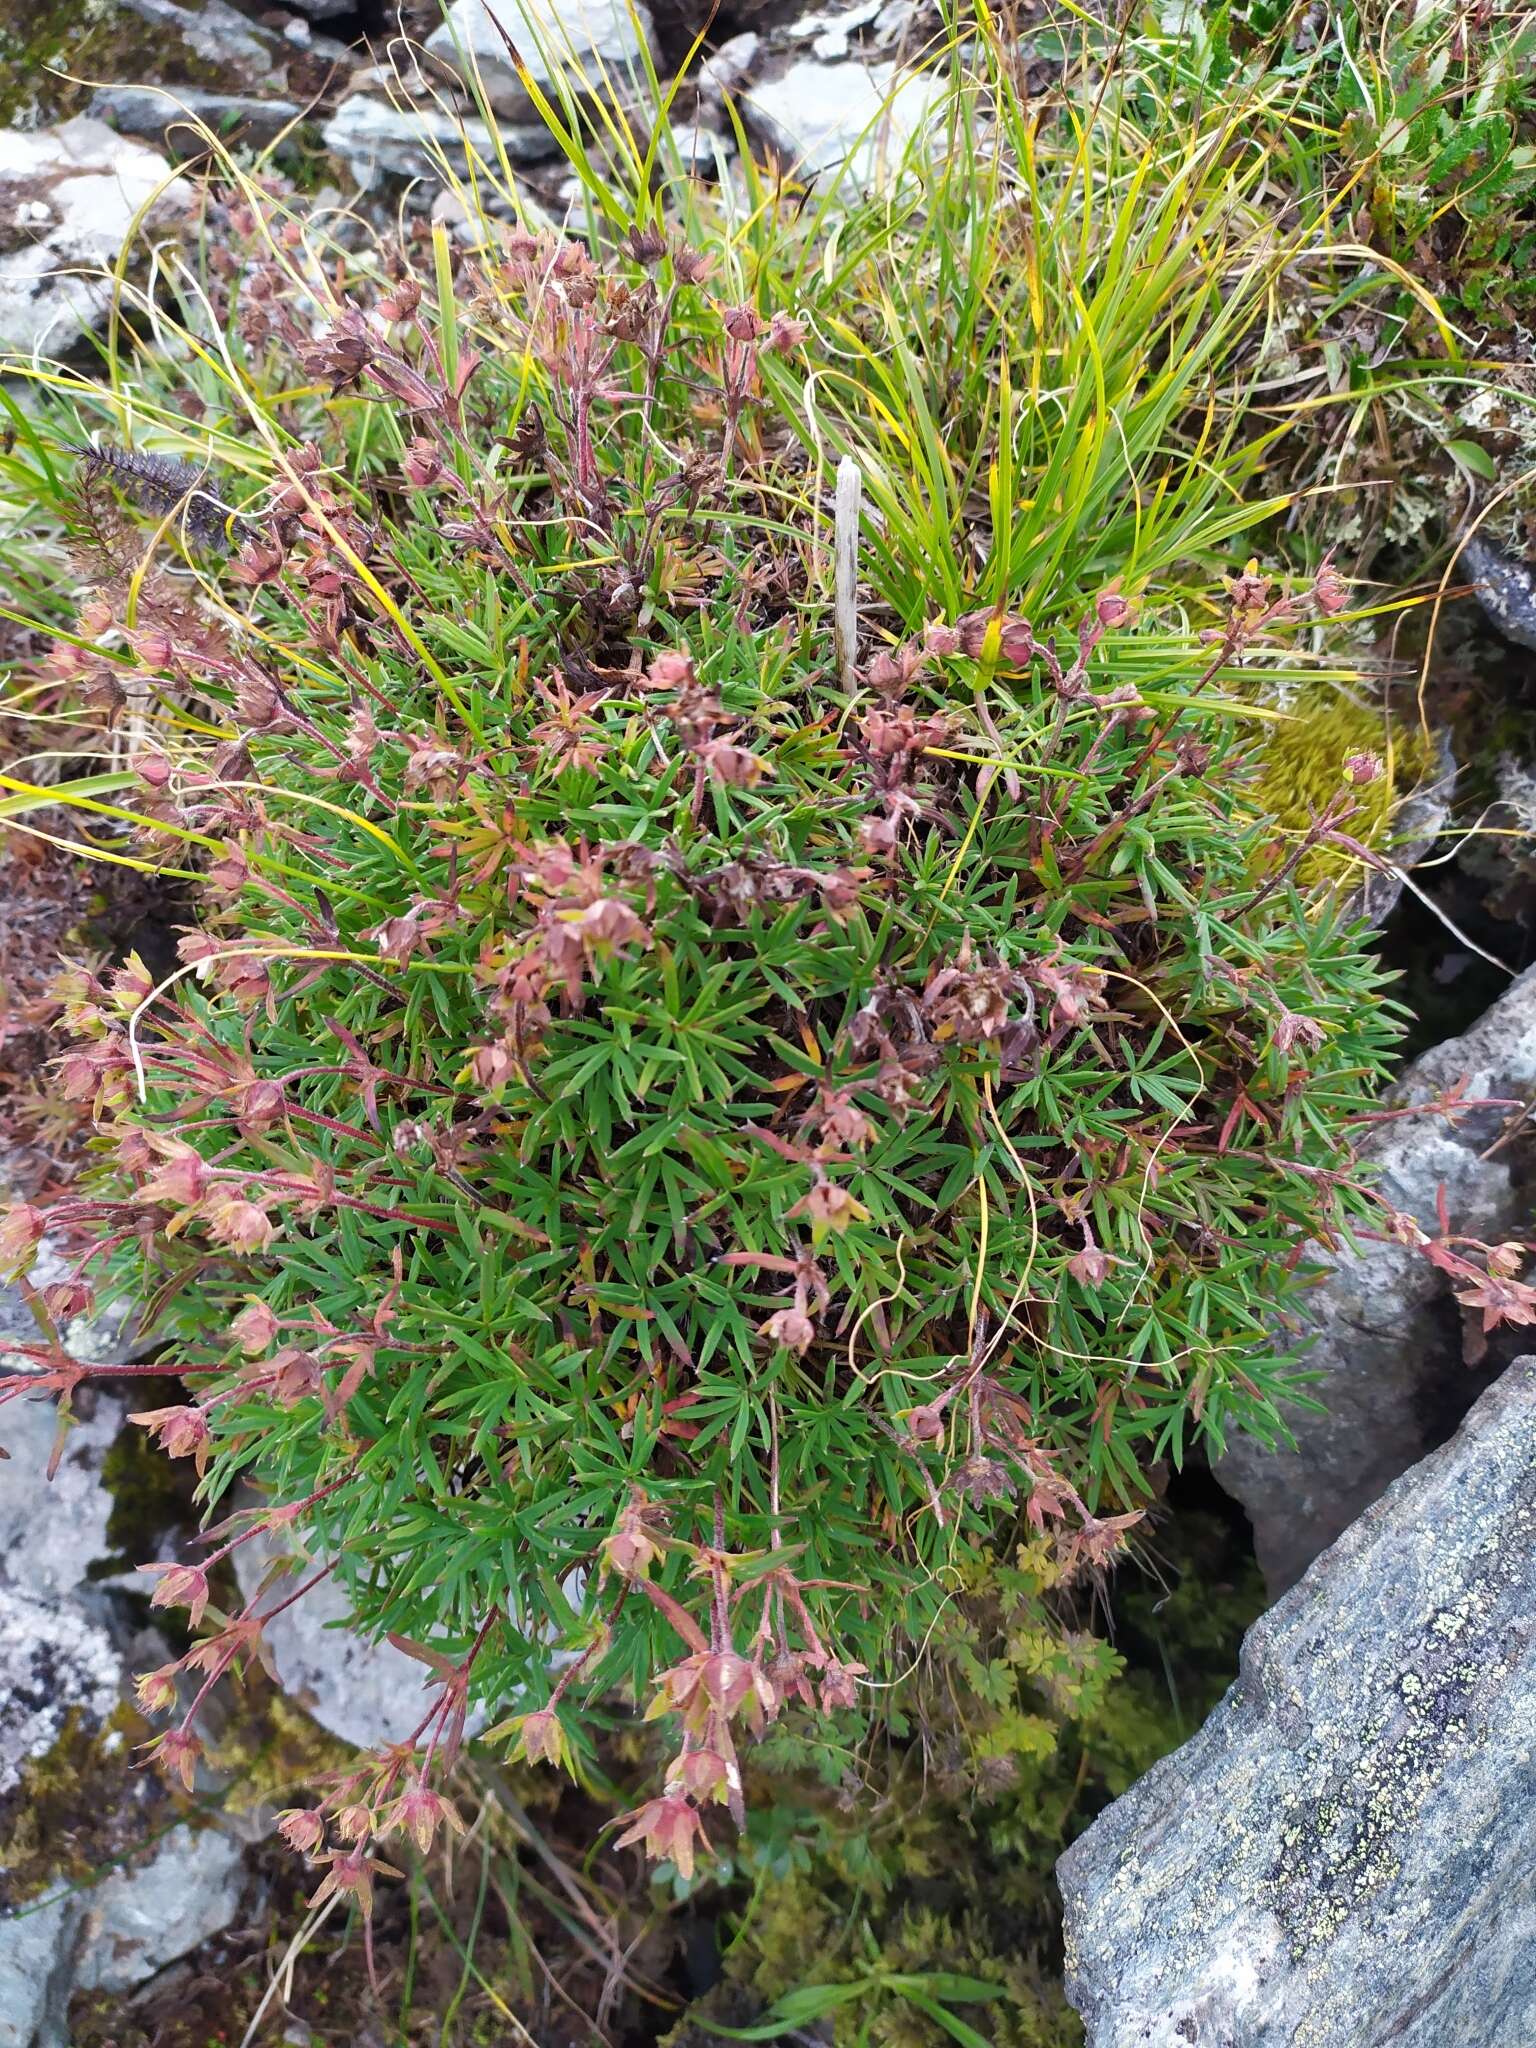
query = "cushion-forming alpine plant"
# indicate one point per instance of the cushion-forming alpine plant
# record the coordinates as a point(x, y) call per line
point(675, 1123)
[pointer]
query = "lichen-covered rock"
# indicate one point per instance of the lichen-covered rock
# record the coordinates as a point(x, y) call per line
point(57, 1661)
point(1506, 589)
point(561, 43)
point(51, 51)
point(1345, 1855)
point(72, 1804)
point(69, 199)
point(57, 1665)
point(1387, 1336)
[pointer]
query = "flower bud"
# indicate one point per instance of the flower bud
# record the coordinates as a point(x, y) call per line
point(21, 1231)
point(423, 463)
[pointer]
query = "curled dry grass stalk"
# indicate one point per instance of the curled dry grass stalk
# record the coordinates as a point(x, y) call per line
point(660, 1152)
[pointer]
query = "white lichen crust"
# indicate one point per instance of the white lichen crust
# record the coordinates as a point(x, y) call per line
point(1344, 1854)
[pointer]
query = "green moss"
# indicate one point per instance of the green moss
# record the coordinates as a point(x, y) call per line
point(1302, 771)
point(939, 1854)
point(150, 1492)
point(91, 39)
point(80, 1808)
point(271, 1749)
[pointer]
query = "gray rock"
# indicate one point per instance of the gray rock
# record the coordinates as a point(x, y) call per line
point(855, 118)
point(115, 1935)
point(215, 33)
point(1345, 1855)
point(59, 1669)
point(370, 1694)
point(730, 65)
point(831, 35)
point(58, 1663)
point(146, 1915)
point(1387, 1334)
point(578, 43)
point(701, 150)
point(103, 1338)
point(171, 119)
point(1506, 589)
point(50, 56)
point(377, 139)
point(34, 1975)
point(69, 197)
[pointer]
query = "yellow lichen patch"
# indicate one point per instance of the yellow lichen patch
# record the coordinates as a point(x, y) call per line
point(1302, 761)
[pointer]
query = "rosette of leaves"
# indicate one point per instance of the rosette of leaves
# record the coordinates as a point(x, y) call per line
point(658, 1145)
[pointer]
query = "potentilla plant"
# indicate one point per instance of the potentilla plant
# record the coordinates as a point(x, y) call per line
point(660, 1149)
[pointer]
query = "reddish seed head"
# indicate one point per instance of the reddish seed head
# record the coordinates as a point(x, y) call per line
point(180, 1585)
point(784, 334)
point(182, 1179)
point(1090, 1266)
point(742, 323)
point(828, 1207)
point(157, 1691)
point(668, 1827)
point(630, 1550)
point(791, 1328)
point(302, 1828)
point(243, 1226)
point(1330, 593)
point(177, 1753)
point(21, 1231)
point(254, 1329)
point(1001, 635)
point(670, 672)
point(732, 765)
point(839, 1685)
point(925, 1424)
point(1293, 1030)
point(423, 463)
point(180, 1432)
point(540, 1738)
point(355, 1822)
point(66, 1298)
point(419, 1812)
point(703, 1774)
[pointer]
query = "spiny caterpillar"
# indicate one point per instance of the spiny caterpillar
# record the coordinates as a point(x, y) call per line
point(163, 484)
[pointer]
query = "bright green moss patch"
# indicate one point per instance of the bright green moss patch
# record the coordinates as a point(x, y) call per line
point(1303, 770)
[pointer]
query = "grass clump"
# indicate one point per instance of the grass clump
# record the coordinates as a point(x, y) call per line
point(1418, 123)
point(729, 1052)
